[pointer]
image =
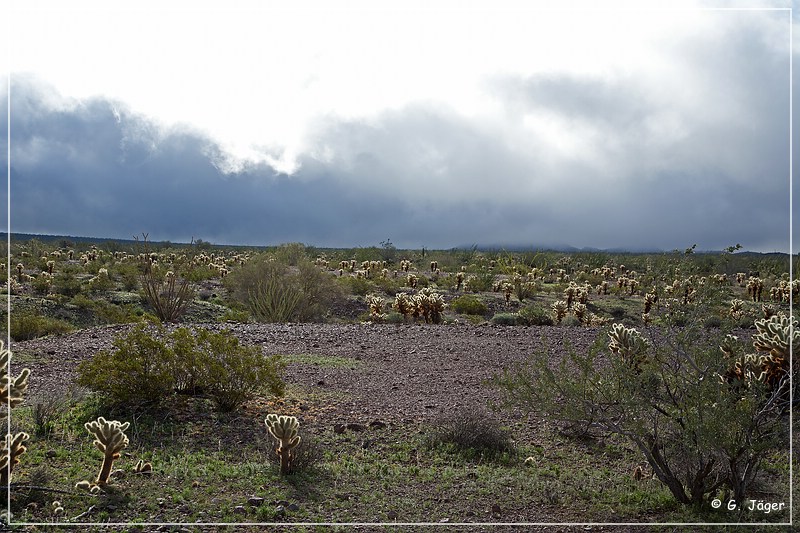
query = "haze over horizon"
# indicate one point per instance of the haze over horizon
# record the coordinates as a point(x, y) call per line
point(648, 125)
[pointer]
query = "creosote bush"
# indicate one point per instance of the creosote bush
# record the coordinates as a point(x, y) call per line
point(468, 305)
point(274, 291)
point(148, 365)
point(664, 395)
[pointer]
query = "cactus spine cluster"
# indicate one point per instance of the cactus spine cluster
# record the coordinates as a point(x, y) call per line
point(110, 439)
point(284, 429)
point(12, 390)
point(629, 344)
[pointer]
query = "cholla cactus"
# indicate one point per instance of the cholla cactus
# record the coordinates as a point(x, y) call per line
point(11, 389)
point(569, 293)
point(559, 308)
point(459, 280)
point(50, 265)
point(375, 304)
point(629, 344)
point(404, 305)
point(775, 335)
point(284, 429)
point(109, 439)
point(13, 448)
point(412, 280)
point(580, 312)
point(768, 311)
point(508, 290)
point(649, 299)
point(434, 266)
point(755, 286)
point(737, 309)
point(430, 305)
point(20, 268)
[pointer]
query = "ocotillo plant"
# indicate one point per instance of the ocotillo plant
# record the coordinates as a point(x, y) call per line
point(109, 439)
point(284, 429)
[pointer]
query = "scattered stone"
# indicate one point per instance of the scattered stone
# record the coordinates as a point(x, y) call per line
point(338, 428)
point(255, 501)
point(392, 515)
point(495, 508)
point(282, 503)
point(239, 509)
point(321, 382)
point(293, 507)
point(50, 454)
point(377, 424)
point(366, 443)
point(444, 520)
point(352, 426)
point(280, 511)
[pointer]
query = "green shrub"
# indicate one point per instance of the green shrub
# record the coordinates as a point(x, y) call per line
point(468, 305)
point(535, 316)
point(128, 275)
point(148, 365)
point(472, 433)
point(482, 281)
point(230, 372)
point(275, 292)
point(663, 393)
point(356, 286)
point(138, 371)
point(67, 284)
point(25, 326)
point(505, 319)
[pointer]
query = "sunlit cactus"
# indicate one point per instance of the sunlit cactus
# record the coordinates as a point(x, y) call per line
point(649, 299)
point(559, 308)
point(404, 305)
point(508, 290)
point(412, 280)
point(375, 304)
point(776, 335)
point(20, 268)
point(12, 389)
point(285, 430)
point(430, 305)
point(434, 266)
point(569, 293)
point(629, 344)
point(580, 312)
point(737, 309)
point(110, 439)
point(13, 448)
point(730, 346)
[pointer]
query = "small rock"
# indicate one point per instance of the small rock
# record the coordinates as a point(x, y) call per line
point(321, 382)
point(377, 424)
point(293, 507)
point(391, 515)
point(444, 520)
point(338, 429)
point(355, 427)
point(280, 511)
point(495, 508)
point(366, 443)
point(239, 509)
point(282, 503)
point(50, 454)
point(255, 501)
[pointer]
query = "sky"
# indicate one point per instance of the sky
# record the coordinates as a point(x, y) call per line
point(634, 125)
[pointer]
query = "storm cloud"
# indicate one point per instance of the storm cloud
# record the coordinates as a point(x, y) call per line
point(694, 150)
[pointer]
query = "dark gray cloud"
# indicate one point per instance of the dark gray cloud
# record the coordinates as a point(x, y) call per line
point(425, 175)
